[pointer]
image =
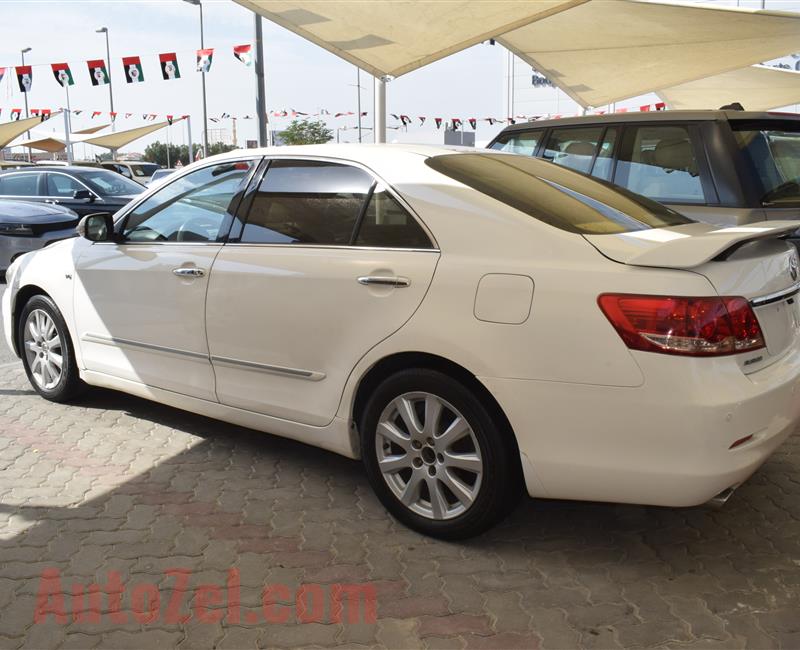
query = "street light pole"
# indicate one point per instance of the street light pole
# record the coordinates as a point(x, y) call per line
point(23, 52)
point(199, 4)
point(261, 98)
point(104, 30)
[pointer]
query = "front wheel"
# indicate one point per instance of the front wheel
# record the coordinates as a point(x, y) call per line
point(436, 457)
point(47, 352)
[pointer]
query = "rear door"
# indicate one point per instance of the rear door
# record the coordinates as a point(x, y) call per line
point(26, 186)
point(327, 263)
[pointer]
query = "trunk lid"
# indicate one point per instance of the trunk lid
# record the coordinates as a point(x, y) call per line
point(750, 261)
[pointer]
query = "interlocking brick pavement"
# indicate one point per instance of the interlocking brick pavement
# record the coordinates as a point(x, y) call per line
point(119, 484)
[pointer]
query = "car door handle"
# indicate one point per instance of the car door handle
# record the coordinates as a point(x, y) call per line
point(385, 281)
point(53, 201)
point(189, 271)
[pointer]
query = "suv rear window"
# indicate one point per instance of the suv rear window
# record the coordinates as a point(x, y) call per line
point(521, 142)
point(555, 195)
point(771, 150)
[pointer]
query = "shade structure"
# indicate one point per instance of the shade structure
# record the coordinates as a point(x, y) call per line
point(396, 36)
point(55, 142)
point(121, 138)
point(9, 131)
point(91, 129)
point(604, 51)
point(756, 88)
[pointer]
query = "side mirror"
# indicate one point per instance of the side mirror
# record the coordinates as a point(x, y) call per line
point(97, 227)
point(83, 195)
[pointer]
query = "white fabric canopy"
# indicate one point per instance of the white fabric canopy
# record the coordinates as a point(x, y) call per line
point(54, 142)
point(608, 50)
point(757, 88)
point(392, 37)
point(11, 130)
point(121, 138)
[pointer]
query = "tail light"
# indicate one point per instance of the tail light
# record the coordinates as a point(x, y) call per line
point(697, 327)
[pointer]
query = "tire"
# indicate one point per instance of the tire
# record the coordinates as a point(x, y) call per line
point(445, 462)
point(42, 339)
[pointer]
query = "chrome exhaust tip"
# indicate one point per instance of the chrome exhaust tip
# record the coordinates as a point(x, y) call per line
point(722, 498)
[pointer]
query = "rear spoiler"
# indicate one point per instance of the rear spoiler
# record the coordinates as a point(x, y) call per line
point(685, 246)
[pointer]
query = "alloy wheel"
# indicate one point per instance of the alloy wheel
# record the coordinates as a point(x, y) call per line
point(43, 349)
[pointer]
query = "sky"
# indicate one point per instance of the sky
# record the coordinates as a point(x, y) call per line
point(299, 75)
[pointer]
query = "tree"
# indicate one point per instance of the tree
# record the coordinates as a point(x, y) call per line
point(307, 132)
point(157, 152)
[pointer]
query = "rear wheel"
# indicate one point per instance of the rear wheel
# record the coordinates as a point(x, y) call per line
point(435, 456)
point(47, 352)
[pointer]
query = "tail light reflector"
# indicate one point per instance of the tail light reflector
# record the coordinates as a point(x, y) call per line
point(692, 326)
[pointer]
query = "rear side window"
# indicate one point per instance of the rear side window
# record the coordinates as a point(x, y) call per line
point(660, 163)
point(556, 196)
point(519, 142)
point(603, 164)
point(387, 224)
point(307, 202)
point(20, 185)
point(573, 148)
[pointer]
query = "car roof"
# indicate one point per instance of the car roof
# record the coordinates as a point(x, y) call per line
point(650, 116)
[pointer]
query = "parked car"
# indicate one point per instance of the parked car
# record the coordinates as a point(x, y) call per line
point(14, 164)
point(136, 171)
point(83, 189)
point(721, 167)
point(466, 323)
point(26, 226)
point(159, 175)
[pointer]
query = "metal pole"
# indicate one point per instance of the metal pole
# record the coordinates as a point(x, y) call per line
point(27, 115)
point(68, 127)
point(261, 97)
point(110, 89)
point(167, 135)
point(358, 85)
point(380, 109)
point(189, 135)
point(205, 111)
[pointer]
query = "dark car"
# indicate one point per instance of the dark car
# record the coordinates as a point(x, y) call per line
point(26, 226)
point(722, 167)
point(82, 189)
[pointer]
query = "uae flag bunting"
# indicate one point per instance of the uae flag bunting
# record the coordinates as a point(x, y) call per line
point(133, 69)
point(96, 113)
point(169, 120)
point(438, 122)
point(473, 123)
point(63, 74)
point(24, 78)
point(169, 66)
point(204, 59)
point(243, 53)
point(97, 72)
point(113, 116)
point(2, 73)
point(421, 119)
point(15, 113)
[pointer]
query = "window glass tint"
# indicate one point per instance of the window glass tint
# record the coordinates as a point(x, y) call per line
point(193, 208)
point(387, 224)
point(61, 185)
point(554, 195)
point(519, 142)
point(573, 148)
point(772, 152)
point(605, 156)
point(144, 170)
point(106, 183)
point(659, 162)
point(20, 185)
point(307, 202)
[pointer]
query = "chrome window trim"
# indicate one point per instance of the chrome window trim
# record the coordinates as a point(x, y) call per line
point(334, 246)
point(310, 375)
point(375, 176)
point(114, 341)
point(776, 296)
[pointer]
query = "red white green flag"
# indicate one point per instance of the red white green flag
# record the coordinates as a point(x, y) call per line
point(169, 66)
point(24, 78)
point(63, 74)
point(97, 72)
point(133, 69)
point(204, 58)
point(2, 73)
point(243, 53)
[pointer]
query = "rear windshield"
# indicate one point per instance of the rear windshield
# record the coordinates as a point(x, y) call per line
point(771, 150)
point(555, 195)
point(144, 169)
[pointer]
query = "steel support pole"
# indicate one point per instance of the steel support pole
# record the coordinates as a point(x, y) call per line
point(261, 97)
point(27, 115)
point(110, 88)
point(380, 109)
point(358, 87)
point(68, 127)
point(205, 110)
point(189, 135)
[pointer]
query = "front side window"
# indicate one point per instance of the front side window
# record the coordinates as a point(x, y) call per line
point(193, 208)
point(307, 202)
point(660, 163)
point(771, 150)
point(62, 186)
point(524, 142)
point(106, 183)
point(573, 148)
point(19, 185)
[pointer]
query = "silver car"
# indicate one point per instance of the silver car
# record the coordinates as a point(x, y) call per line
point(26, 226)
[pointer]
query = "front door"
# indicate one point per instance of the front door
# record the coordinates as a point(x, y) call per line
point(140, 303)
point(328, 264)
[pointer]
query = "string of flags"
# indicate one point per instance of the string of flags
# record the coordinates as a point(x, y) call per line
point(132, 66)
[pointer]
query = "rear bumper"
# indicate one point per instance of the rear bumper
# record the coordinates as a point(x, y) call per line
point(664, 443)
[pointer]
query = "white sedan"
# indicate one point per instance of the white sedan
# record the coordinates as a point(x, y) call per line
point(469, 324)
